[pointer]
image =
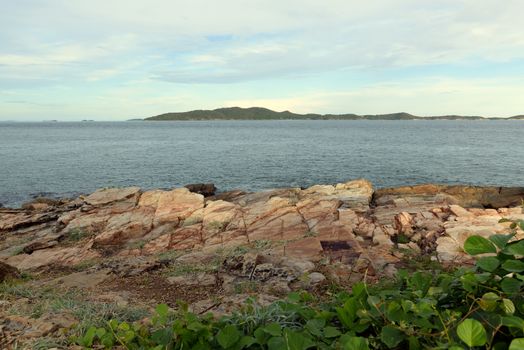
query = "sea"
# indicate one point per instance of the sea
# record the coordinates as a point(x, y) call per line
point(65, 159)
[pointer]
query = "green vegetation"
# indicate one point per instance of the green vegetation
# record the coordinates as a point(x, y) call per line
point(310, 233)
point(73, 302)
point(258, 113)
point(77, 234)
point(480, 307)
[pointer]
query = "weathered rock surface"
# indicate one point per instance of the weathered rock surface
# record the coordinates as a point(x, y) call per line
point(303, 223)
point(217, 251)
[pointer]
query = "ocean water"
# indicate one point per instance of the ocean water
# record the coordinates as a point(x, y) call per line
point(66, 159)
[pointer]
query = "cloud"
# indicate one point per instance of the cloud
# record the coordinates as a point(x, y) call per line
point(237, 50)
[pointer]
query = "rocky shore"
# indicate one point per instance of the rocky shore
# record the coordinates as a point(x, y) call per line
point(124, 246)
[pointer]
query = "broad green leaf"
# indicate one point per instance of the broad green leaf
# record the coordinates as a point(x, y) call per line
point(513, 266)
point(162, 310)
point(315, 326)
point(162, 336)
point(296, 341)
point(273, 329)
point(513, 322)
point(107, 341)
point(510, 285)
point(228, 336)
point(472, 332)
point(129, 336)
point(246, 342)
point(87, 339)
point(517, 344)
point(475, 245)
point(124, 326)
point(488, 302)
point(501, 240)
point(331, 332)
point(508, 307)
point(469, 282)
point(354, 343)
point(488, 263)
point(516, 248)
point(391, 336)
point(276, 343)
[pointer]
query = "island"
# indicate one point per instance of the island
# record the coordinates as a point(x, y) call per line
point(260, 113)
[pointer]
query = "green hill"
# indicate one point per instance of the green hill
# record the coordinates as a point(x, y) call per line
point(259, 113)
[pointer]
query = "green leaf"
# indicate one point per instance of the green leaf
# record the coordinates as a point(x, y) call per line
point(472, 332)
point(501, 240)
point(129, 336)
point(162, 310)
point(100, 332)
point(513, 266)
point(391, 336)
point(273, 329)
point(276, 343)
point(296, 341)
point(510, 285)
point(475, 245)
point(246, 342)
point(124, 326)
point(508, 307)
point(228, 336)
point(354, 343)
point(516, 248)
point(513, 322)
point(517, 344)
point(315, 326)
point(331, 332)
point(107, 341)
point(488, 302)
point(488, 263)
point(87, 339)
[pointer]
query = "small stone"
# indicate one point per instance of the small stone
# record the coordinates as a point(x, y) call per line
point(316, 278)
point(390, 271)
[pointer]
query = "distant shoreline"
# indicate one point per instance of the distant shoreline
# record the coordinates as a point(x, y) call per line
point(258, 113)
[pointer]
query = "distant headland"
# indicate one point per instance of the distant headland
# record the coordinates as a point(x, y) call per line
point(259, 113)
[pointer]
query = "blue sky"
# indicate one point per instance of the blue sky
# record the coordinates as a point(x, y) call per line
point(116, 59)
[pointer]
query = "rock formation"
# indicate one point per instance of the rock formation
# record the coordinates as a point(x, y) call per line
point(279, 240)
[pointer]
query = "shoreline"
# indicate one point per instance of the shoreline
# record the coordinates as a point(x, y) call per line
point(125, 246)
point(435, 187)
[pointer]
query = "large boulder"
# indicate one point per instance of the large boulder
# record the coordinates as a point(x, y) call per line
point(206, 190)
point(108, 195)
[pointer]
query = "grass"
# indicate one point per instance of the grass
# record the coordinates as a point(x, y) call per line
point(76, 235)
point(85, 265)
point(48, 300)
point(310, 233)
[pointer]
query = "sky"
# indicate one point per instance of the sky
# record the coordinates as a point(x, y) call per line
point(124, 59)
